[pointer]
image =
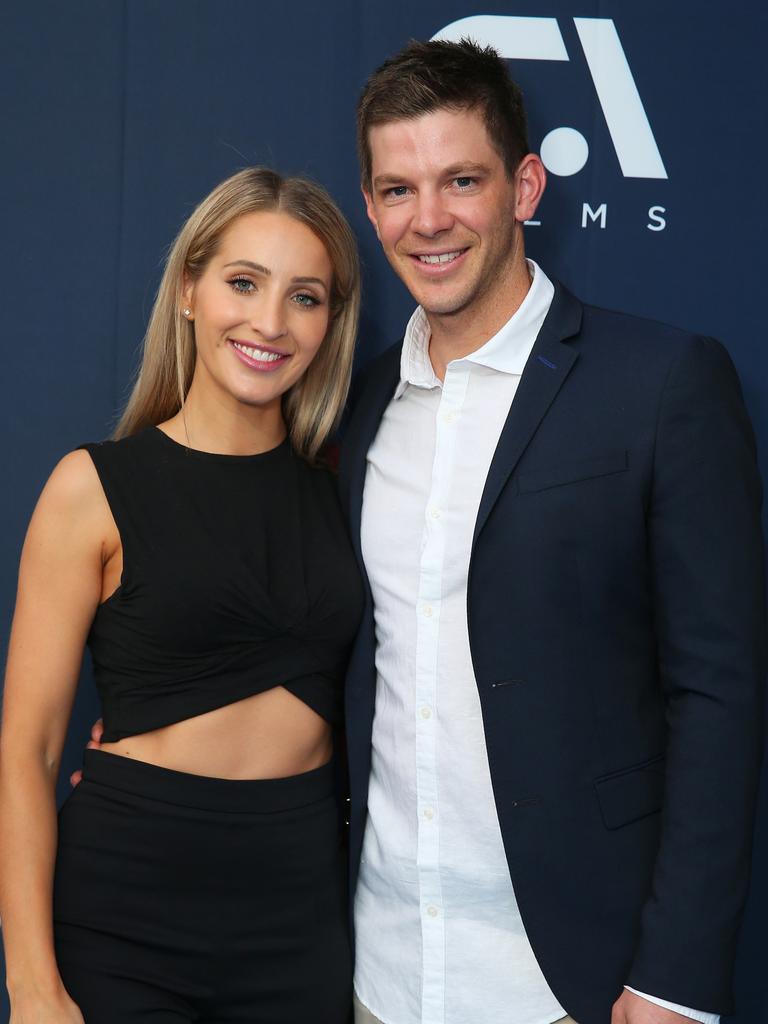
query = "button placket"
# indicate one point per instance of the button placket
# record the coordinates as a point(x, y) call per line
point(427, 711)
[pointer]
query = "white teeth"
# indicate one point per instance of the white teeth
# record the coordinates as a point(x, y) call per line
point(443, 257)
point(258, 353)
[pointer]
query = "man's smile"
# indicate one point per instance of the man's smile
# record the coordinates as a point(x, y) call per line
point(438, 263)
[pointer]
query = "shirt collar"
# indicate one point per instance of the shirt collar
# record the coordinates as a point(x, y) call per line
point(507, 351)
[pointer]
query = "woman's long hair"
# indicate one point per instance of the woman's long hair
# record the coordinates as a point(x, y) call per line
point(313, 405)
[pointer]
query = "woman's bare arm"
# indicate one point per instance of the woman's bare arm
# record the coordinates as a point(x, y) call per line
point(60, 585)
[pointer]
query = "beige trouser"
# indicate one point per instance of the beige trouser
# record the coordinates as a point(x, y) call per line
point(364, 1016)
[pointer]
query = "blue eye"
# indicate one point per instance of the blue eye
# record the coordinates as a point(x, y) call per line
point(242, 286)
point(307, 301)
point(464, 181)
point(398, 191)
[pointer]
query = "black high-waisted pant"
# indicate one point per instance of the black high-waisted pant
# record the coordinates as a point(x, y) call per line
point(181, 898)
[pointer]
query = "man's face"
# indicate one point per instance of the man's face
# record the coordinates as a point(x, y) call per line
point(444, 210)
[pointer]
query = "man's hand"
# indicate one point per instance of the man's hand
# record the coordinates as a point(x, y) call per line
point(97, 731)
point(632, 1009)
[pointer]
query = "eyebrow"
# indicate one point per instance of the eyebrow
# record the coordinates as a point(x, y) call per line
point(268, 273)
point(454, 170)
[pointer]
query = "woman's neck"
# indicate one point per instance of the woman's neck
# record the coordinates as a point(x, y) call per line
point(226, 426)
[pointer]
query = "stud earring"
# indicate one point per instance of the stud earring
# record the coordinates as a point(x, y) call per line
point(187, 311)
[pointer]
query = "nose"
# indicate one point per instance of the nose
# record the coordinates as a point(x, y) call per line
point(268, 317)
point(431, 214)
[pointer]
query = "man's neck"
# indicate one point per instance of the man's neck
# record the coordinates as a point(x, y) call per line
point(456, 335)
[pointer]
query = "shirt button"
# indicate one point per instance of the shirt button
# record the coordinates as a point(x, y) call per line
point(427, 611)
point(449, 417)
point(432, 911)
point(429, 813)
point(426, 712)
point(435, 513)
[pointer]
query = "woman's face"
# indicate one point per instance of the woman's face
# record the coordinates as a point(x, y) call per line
point(260, 308)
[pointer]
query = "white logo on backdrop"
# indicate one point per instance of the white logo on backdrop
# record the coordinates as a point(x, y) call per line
point(564, 150)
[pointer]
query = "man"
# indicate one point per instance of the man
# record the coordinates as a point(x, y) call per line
point(553, 702)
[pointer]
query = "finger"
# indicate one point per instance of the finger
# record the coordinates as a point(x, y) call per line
point(76, 777)
point(97, 731)
point(92, 745)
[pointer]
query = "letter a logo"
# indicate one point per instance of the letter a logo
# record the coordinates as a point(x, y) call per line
point(564, 150)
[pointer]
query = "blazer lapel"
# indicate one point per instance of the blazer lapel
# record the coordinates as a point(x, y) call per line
point(548, 365)
point(364, 424)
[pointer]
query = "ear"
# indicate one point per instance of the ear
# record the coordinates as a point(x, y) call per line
point(187, 294)
point(530, 182)
point(370, 210)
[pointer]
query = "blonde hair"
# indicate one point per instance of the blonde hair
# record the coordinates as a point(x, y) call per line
point(313, 405)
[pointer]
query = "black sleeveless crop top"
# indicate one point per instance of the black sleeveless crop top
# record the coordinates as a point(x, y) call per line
point(238, 576)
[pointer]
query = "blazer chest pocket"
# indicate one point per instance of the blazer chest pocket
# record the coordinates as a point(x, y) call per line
point(632, 793)
point(572, 472)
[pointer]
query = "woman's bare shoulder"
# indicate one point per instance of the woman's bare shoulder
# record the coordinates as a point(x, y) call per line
point(73, 494)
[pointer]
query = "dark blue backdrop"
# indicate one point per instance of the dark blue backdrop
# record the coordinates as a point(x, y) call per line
point(116, 117)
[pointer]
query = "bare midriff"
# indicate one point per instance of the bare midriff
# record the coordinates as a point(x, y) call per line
point(268, 736)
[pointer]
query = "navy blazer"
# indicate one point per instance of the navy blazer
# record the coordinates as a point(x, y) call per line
point(617, 626)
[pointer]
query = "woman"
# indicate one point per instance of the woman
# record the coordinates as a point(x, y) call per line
point(201, 554)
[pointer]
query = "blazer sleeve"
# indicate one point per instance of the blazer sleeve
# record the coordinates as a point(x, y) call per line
point(706, 551)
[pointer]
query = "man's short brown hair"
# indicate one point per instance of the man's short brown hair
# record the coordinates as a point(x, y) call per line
point(437, 75)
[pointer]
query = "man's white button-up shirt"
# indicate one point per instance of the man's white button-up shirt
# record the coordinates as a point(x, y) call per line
point(439, 935)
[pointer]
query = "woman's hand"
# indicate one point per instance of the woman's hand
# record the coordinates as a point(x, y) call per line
point(45, 1009)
